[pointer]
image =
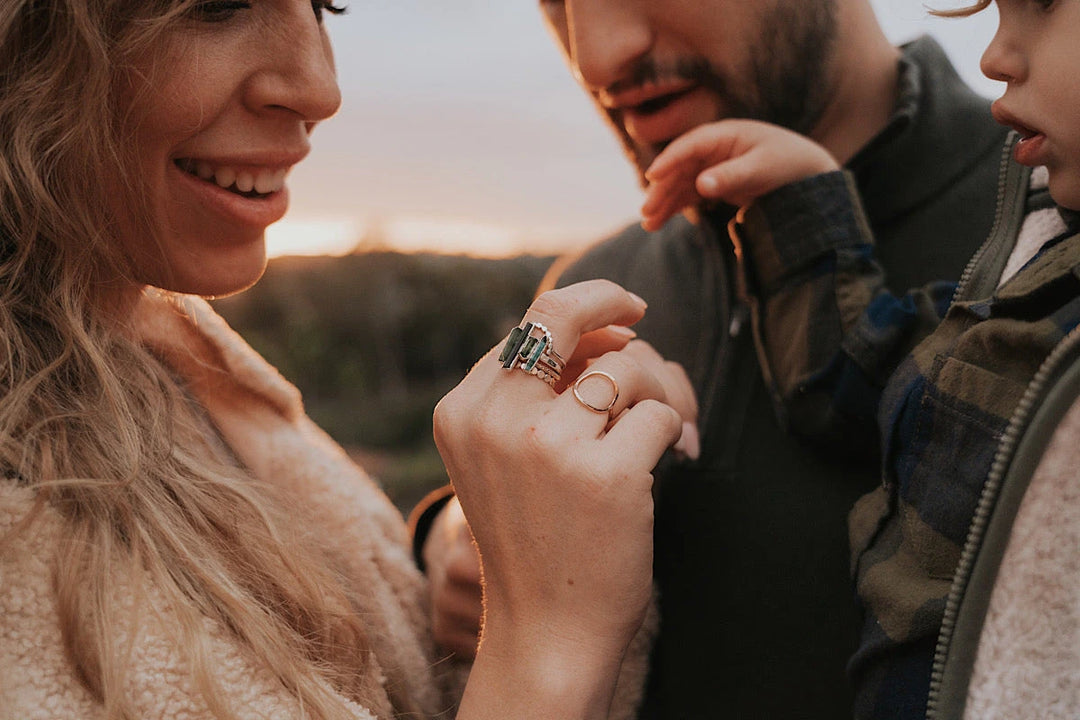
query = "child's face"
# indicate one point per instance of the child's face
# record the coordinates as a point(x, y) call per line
point(1036, 52)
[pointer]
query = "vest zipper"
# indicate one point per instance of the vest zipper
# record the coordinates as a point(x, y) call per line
point(1003, 457)
point(963, 570)
point(999, 218)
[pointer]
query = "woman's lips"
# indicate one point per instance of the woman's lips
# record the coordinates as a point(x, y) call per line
point(249, 210)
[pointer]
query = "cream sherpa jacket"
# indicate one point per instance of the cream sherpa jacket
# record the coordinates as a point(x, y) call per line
point(261, 417)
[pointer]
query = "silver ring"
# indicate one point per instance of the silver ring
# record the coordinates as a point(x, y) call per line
point(586, 403)
point(530, 348)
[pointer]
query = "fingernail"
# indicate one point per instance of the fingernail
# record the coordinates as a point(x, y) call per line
point(691, 440)
point(637, 298)
point(707, 184)
point(622, 331)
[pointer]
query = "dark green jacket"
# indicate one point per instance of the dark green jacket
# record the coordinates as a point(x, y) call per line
point(758, 615)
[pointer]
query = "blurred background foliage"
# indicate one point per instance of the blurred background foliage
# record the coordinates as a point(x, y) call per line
point(374, 339)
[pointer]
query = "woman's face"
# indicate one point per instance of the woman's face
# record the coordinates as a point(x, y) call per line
point(218, 113)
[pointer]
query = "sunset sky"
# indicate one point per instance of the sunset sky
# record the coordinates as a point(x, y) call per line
point(462, 131)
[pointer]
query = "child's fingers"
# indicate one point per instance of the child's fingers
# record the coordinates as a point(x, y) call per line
point(660, 193)
point(655, 220)
point(738, 181)
point(666, 199)
point(769, 164)
point(695, 150)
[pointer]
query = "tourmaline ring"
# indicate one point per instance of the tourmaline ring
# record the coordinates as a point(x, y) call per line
point(530, 348)
point(586, 403)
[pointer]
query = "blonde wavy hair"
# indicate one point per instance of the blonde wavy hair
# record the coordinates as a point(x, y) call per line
point(101, 429)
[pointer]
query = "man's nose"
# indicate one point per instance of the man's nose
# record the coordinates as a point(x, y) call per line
point(606, 38)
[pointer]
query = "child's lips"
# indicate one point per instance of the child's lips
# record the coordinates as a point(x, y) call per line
point(1028, 150)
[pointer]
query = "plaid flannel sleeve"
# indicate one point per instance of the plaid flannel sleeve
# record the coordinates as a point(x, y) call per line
point(828, 332)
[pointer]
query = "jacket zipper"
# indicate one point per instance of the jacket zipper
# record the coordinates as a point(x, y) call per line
point(1003, 457)
point(960, 576)
point(999, 218)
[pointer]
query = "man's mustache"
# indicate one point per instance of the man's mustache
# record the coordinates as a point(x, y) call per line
point(648, 71)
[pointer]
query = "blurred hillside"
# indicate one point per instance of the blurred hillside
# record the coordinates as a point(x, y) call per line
point(373, 340)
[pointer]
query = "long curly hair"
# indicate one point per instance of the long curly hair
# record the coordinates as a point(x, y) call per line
point(101, 429)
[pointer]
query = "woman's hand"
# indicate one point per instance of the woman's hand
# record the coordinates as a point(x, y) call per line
point(559, 499)
point(735, 161)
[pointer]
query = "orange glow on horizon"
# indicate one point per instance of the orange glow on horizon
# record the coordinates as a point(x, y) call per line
point(409, 235)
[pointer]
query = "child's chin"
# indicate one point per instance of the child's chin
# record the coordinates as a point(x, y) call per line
point(1065, 190)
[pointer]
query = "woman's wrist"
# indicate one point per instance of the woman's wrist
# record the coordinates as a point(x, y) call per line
point(537, 673)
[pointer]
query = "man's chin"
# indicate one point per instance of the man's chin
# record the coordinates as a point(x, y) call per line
point(641, 156)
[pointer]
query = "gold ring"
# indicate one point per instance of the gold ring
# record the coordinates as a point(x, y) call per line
point(586, 403)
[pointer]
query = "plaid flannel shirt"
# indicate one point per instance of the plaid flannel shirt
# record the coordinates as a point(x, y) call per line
point(847, 361)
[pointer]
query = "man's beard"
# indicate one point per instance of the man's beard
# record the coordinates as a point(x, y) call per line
point(786, 78)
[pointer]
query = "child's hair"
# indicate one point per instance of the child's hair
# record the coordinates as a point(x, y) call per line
point(963, 11)
point(102, 430)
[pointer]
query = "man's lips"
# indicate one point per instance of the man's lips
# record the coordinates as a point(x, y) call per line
point(645, 98)
point(652, 116)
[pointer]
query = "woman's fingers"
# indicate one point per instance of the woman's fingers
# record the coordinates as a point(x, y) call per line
point(591, 346)
point(619, 380)
point(678, 390)
point(554, 325)
point(644, 431)
point(557, 495)
point(576, 310)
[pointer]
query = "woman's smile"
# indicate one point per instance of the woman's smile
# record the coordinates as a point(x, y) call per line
point(251, 183)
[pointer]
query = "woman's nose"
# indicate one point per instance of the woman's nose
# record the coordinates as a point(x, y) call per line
point(299, 73)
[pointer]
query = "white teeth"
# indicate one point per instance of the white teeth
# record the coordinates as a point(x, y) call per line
point(263, 182)
point(266, 182)
point(245, 181)
point(225, 177)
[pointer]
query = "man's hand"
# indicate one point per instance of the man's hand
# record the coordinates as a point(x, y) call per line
point(735, 161)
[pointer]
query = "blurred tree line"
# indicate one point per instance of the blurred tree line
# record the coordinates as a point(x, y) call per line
point(374, 339)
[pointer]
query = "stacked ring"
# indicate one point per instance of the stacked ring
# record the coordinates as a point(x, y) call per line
point(530, 348)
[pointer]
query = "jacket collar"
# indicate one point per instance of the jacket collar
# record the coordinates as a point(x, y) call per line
point(938, 126)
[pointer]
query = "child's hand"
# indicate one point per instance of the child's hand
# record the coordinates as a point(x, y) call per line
point(736, 161)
